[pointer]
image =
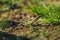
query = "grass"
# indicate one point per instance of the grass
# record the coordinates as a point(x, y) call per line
point(6, 5)
point(4, 23)
point(50, 13)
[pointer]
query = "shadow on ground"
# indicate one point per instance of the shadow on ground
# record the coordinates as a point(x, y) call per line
point(6, 36)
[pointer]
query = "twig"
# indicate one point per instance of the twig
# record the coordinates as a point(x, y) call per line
point(35, 19)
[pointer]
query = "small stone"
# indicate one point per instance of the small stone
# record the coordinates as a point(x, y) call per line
point(32, 18)
point(28, 16)
point(17, 16)
point(10, 28)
